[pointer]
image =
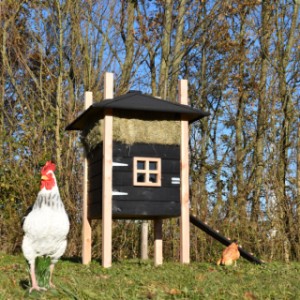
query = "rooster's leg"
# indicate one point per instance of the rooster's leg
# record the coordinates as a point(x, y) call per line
point(50, 279)
point(34, 281)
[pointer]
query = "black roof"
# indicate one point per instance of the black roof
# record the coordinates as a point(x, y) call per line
point(136, 101)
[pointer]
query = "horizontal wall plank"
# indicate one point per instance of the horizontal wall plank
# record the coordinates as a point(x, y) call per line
point(137, 210)
point(138, 149)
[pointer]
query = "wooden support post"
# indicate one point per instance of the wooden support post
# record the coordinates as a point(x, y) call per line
point(86, 223)
point(158, 250)
point(108, 85)
point(184, 179)
point(144, 240)
point(107, 177)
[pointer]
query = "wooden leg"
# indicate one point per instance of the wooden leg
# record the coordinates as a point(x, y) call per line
point(184, 176)
point(86, 241)
point(86, 223)
point(158, 250)
point(107, 191)
point(144, 240)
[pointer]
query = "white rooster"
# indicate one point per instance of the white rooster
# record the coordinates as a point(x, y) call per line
point(46, 227)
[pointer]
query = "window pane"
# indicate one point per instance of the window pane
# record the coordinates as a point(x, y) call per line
point(152, 177)
point(140, 177)
point(152, 165)
point(141, 165)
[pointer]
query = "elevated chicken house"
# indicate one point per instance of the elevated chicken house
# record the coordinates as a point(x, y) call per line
point(136, 164)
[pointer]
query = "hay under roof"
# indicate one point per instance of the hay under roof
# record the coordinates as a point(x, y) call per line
point(130, 131)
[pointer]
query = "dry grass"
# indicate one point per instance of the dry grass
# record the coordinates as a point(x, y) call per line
point(135, 130)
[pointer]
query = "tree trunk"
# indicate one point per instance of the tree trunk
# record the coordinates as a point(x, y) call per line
point(239, 127)
point(2, 82)
point(165, 48)
point(58, 106)
point(284, 52)
point(298, 186)
point(204, 140)
point(128, 39)
point(177, 52)
point(261, 120)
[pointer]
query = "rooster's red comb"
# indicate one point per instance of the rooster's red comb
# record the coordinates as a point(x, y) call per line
point(49, 166)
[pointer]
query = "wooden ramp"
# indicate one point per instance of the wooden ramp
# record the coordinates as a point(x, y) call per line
point(216, 235)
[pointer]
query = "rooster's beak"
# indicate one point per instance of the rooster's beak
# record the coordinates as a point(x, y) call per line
point(44, 177)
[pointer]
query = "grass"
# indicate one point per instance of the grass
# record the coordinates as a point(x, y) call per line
point(133, 279)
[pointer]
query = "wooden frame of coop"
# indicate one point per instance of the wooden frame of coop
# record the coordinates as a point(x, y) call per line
point(135, 177)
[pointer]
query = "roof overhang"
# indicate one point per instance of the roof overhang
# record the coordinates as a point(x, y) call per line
point(137, 102)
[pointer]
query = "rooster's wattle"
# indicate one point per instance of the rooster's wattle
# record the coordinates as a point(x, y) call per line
point(46, 226)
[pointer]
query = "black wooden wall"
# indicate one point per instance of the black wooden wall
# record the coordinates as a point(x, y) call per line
point(140, 202)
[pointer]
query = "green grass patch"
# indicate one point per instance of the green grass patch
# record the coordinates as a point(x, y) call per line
point(134, 279)
point(42, 271)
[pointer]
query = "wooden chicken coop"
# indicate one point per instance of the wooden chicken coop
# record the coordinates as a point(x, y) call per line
point(136, 164)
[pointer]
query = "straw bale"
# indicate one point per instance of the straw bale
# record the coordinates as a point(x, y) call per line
point(92, 136)
point(135, 130)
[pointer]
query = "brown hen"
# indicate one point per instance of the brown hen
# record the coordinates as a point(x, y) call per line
point(230, 255)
